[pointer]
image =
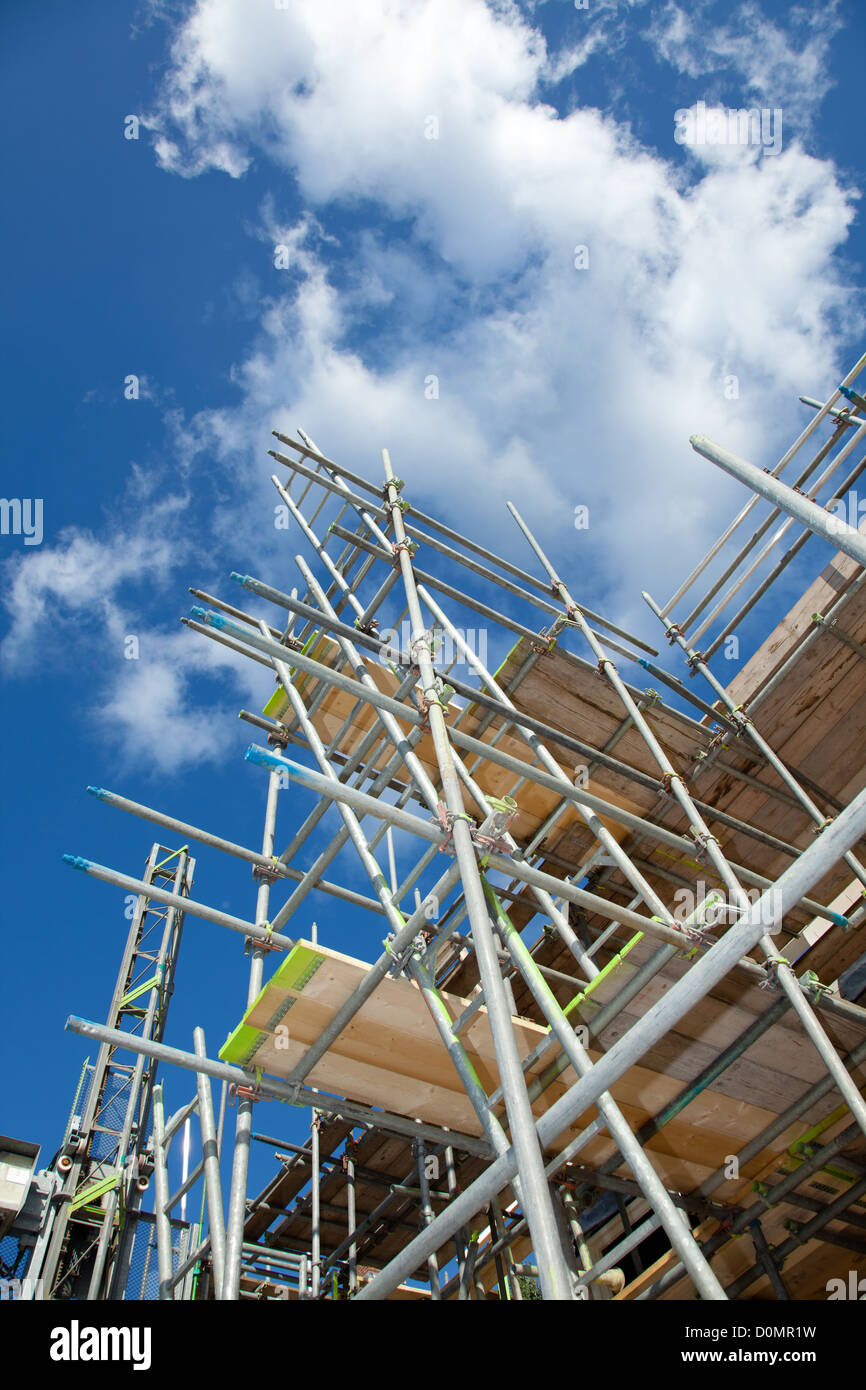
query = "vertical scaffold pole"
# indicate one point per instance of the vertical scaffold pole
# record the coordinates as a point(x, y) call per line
point(244, 1124)
point(210, 1155)
point(160, 1198)
point(351, 1217)
point(315, 1205)
point(553, 1272)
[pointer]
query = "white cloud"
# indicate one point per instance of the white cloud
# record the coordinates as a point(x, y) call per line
point(153, 705)
point(78, 578)
point(781, 66)
point(453, 257)
point(556, 385)
point(84, 604)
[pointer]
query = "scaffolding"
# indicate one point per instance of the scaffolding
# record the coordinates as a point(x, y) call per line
point(580, 1110)
point(102, 1168)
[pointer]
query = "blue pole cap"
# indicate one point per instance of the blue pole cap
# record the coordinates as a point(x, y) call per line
point(262, 756)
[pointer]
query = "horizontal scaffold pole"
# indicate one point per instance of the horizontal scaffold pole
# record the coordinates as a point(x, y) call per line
point(206, 837)
point(302, 1096)
point(161, 895)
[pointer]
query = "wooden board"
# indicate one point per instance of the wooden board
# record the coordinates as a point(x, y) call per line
point(390, 1055)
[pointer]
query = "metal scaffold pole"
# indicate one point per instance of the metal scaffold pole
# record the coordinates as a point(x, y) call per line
point(230, 1286)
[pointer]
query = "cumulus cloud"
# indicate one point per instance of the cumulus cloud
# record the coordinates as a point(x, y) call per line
point(516, 299)
point(152, 704)
point(444, 205)
point(86, 601)
point(78, 578)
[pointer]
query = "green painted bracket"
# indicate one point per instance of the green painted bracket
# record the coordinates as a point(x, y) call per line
point(277, 703)
point(141, 989)
point(294, 974)
point(96, 1190)
point(174, 854)
point(279, 700)
point(603, 974)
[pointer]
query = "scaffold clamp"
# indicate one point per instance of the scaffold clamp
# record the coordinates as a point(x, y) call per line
point(702, 839)
point(396, 546)
point(491, 844)
point(401, 958)
point(256, 943)
point(446, 820)
point(814, 987)
point(238, 1091)
point(822, 825)
point(694, 659)
point(718, 738)
point(492, 835)
point(666, 782)
point(425, 704)
point(266, 873)
point(545, 643)
point(697, 935)
point(739, 717)
point(771, 969)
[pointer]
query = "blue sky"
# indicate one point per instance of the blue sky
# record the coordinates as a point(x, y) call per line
point(408, 257)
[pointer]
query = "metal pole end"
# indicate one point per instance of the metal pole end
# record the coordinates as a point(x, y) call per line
point(76, 862)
